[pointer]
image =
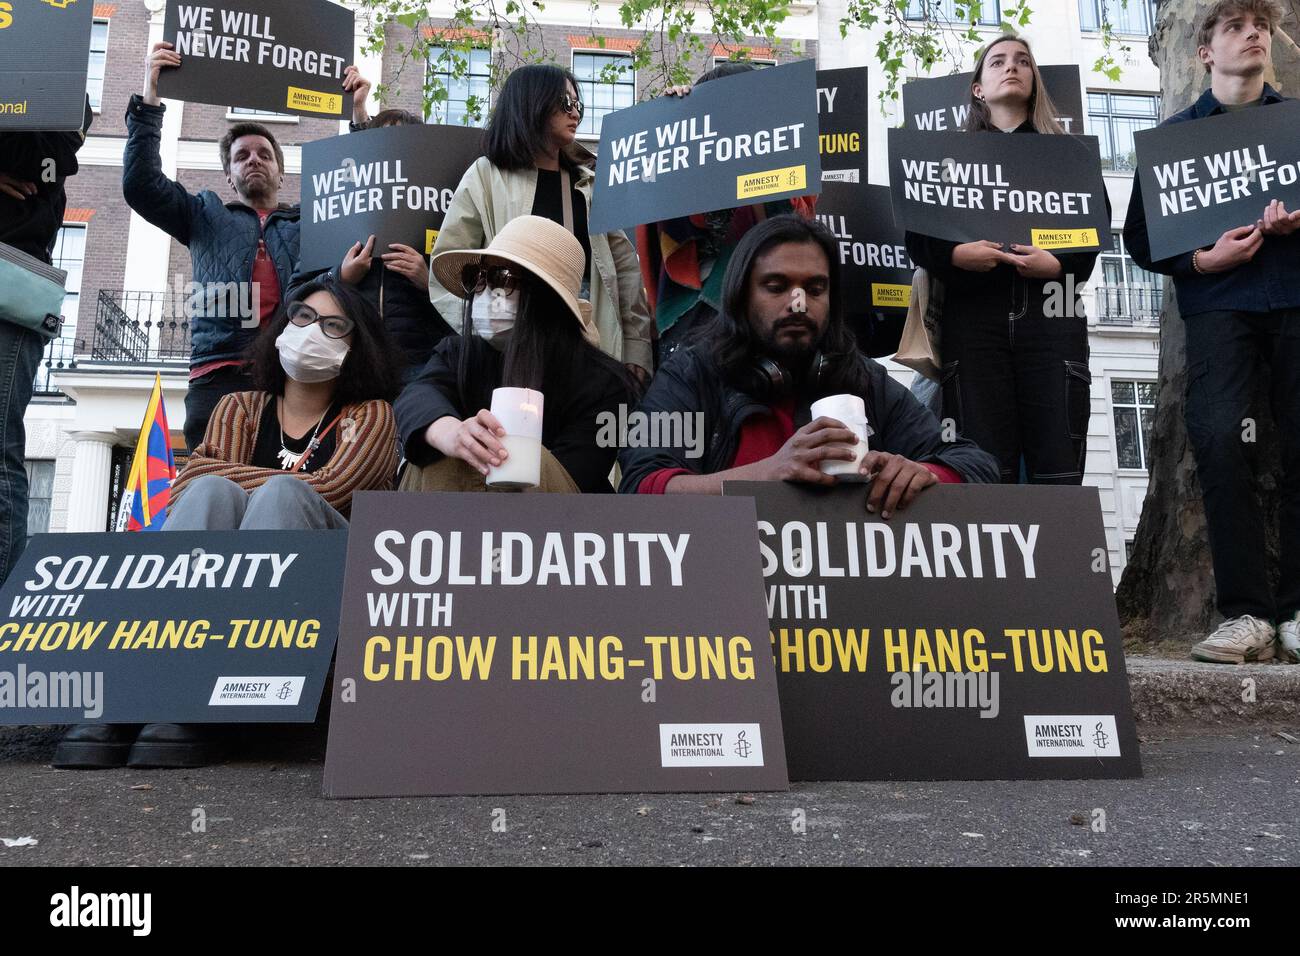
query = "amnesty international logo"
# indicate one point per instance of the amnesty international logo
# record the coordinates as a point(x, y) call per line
point(285, 691)
point(1100, 738)
point(743, 747)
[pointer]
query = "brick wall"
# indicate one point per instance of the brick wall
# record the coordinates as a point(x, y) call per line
point(203, 122)
point(128, 46)
point(99, 189)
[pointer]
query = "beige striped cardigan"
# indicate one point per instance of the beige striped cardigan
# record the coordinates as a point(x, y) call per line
point(365, 461)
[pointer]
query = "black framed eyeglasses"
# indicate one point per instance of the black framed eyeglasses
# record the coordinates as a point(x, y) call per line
point(334, 326)
point(570, 105)
point(476, 277)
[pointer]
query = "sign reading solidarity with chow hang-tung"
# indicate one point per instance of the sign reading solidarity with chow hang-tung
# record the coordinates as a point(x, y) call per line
point(1045, 191)
point(552, 644)
point(179, 627)
point(1204, 177)
point(735, 141)
point(393, 183)
point(286, 56)
point(44, 52)
point(972, 636)
point(943, 102)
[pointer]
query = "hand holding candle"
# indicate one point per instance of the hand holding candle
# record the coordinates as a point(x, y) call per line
point(519, 411)
point(852, 412)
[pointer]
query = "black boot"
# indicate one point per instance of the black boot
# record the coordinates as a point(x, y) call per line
point(95, 746)
point(173, 745)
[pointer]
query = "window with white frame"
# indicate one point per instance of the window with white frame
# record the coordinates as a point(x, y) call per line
point(1133, 406)
point(246, 113)
point(460, 82)
point(989, 15)
point(1128, 293)
point(70, 256)
point(98, 61)
point(1135, 18)
point(1113, 118)
point(40, 492)
point(599, 94)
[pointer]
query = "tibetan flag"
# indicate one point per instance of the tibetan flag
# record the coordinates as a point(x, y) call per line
point(149, 484)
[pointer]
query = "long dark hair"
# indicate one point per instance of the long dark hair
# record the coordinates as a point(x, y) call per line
point(729, 338)
point(368, 372)
point(545, 351)
point(516, 132)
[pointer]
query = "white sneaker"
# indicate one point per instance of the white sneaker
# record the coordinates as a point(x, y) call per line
point(1288, 639)
point(1238, 640)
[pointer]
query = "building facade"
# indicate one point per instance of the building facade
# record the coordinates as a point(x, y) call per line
point(124, 316)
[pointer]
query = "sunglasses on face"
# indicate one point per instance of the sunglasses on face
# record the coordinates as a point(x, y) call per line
point(570, 105)
point(334, 326)
point(477, 277)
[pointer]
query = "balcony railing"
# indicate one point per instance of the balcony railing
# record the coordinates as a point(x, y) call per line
point(139, 328)
point(59, 354)
point(1127, 305)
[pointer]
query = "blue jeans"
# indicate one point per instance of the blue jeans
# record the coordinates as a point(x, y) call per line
point(284, 503)
point(20, 356)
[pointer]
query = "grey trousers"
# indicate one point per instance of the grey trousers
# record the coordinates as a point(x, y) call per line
point(284, 503)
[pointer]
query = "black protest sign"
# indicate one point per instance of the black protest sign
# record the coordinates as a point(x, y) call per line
point(552, 644)
point(972, 636)
point(735, 141)
point(174, 627)
point(1029, 189)
point(286, 56)
point(943, 102)
point(44, 57)
point(393, 183)
point(842, 119)
point(1203, 177)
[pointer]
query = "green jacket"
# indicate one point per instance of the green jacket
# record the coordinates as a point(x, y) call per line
point(488, 198)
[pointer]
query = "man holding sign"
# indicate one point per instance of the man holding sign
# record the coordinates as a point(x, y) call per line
point(1240, 299)
point(779, 344)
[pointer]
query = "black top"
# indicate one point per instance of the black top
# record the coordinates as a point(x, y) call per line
point(266, 453)
point(570, 422)
point(547, 204)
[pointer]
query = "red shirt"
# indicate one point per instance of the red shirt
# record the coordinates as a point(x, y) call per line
point(762, 436)
point(267, 283)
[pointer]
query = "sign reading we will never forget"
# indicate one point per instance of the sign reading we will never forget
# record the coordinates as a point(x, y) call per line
point(972, 636)
point(734, 141)
point(285, 56)
point(1203, 177)
point(1045, 191)
point(552, 644)
point(393, 183)
point(44, 52)
point(179, 627)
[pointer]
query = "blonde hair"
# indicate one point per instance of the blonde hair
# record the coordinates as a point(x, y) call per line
point(1042, 111)
point(1271, 9)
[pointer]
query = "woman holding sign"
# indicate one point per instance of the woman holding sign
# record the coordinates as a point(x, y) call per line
point(1013, 337)
point(519, 397)
point(535, 166)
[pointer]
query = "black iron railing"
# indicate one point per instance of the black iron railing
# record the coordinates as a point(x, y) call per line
point(140, 328)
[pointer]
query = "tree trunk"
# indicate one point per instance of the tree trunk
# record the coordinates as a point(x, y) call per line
point(1167, 591)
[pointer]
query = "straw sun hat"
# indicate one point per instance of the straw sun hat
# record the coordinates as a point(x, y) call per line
point(547, 250)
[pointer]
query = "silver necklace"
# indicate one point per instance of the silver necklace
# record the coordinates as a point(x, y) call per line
point(289, 459)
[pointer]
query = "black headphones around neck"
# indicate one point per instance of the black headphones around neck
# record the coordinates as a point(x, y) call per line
point(769, 380)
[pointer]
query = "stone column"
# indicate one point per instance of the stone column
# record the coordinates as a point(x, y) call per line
point(91, 472)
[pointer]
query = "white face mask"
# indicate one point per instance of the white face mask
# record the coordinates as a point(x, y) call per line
point(308, 355)
point(493, 313)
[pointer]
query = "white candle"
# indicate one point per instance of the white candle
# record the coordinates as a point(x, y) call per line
point(519, 410)
point(852, 411)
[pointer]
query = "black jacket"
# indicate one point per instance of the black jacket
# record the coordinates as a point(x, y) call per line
point(222, 237)
point(31, 225)
point(570, 423)
point(405, 310)
point(1001, 291)
point(1268, 282)
point(690, 381)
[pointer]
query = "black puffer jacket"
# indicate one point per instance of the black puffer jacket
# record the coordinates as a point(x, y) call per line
point(31, 225)
point(222, 237)
point(689, 381)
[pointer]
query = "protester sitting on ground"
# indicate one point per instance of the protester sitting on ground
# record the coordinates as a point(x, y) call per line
point(288, 456)
point(523, 326)
point(779, 344)
point(395, 282)
point(535, 166)
point(683, 260)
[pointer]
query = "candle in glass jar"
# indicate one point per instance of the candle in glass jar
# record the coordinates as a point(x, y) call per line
point(519, 410)
point(852, 411)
